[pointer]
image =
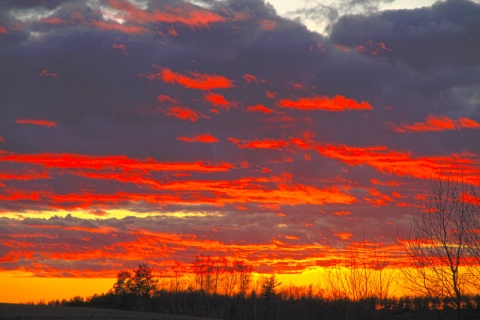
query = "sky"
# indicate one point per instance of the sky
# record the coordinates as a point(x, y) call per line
point(157, 131)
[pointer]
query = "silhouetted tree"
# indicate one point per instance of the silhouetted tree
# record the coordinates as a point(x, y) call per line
point(121, 286)
point(142, 282)
point(440, 243)
point(268, 293)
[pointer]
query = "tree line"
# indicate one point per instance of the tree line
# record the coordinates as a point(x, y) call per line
point(442, 278)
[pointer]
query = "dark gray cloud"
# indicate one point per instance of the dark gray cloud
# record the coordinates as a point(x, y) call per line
point(98, 116)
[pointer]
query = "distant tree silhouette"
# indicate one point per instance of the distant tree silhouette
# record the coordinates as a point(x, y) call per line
point(122, 285)
point(142, 282)
point(269, 294)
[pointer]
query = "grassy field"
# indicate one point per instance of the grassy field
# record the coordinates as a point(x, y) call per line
point(39, 312)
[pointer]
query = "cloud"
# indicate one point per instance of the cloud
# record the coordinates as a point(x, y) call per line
point(198, 81)
point(268, 25)
point(259, 108)
point(260, 144)
point(217, 100)
point(189, 15)
point(437, 123)
point(337, 103)
point(184, 113)
point(146, 149)
point(455, 166)
point(38, 122)
point(203, 138)
point(45, 73)
point(115, 26)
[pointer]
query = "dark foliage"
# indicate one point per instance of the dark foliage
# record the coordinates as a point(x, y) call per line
point(252, 307)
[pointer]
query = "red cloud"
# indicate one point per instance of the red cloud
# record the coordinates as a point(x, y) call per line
point(115, 26)
point(54, 20)
point(3, 29)
point(437, 123)
point(268, 25)
point(199, 81)
point(271, 94)
point(38, 122)
point(373, 48)
point(455, 166)
point(2, 140)
point(166, 98)
point(259, 108)
point(376, 198)
point(119, 46)
point(172, 32)
point(259, 144)
point(204, 138)
point(249, 78)
point(25, 175)
point(386, 183)
point(122, 163)
point(184, 113)
point(45, 73)
point(337, 103)
point(343, 235)
point(187, 15)
point(217, 100)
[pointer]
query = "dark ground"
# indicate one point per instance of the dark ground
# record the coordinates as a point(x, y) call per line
point(41, 312)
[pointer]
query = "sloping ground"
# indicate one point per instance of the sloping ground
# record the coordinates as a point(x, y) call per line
point(32, 312)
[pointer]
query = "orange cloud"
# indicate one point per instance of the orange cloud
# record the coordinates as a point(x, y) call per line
point(166, 98)
point(437, 123)
point(337, 103)
point(217, 100)
point(199, 81)
point(471, 198)
point(342, 213)
point(204, 138)
point(249, 78)
point(54, 20)
point(115, 26)
point(268, 25)
point(45, 73)
point(456, 166)
point(374, 48)
point(25, 175)
point(267, 193)
point(191, 16)
point(259, 144)
point(343, 235)
point(172, 32)
point(114, 163)
point(385, 183)
point(184, 113)
point(376, 198)
point(119, 46)
point(271, 94)
point(38, 122)
point(259, 108)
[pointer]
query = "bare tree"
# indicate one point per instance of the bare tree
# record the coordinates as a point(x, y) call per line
point(441, 243)
point(363, 273)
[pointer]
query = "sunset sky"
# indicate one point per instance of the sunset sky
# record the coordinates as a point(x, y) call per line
point(155, 131)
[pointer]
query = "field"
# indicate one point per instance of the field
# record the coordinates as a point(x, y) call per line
point(40, 312)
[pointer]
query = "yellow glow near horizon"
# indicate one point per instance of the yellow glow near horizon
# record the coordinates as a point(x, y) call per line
point(21, 287)
point(107, 214)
